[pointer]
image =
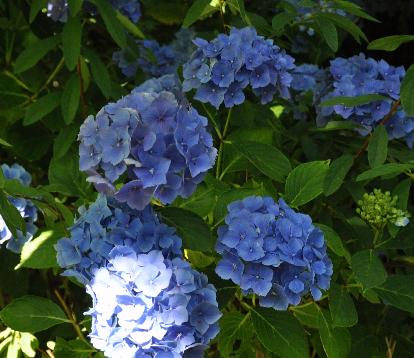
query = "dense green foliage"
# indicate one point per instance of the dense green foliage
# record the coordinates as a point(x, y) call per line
point(54, 74)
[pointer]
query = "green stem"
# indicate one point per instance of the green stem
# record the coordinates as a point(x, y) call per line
point(220, 152)
point(377, 235)
point(211, 118)
point(72, 318)
point(52, 76)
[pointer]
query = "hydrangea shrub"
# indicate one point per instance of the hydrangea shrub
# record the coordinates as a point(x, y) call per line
point(206, 179)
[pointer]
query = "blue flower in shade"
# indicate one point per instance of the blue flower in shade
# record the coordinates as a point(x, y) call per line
point(26, 209)
point(151, 305)
point(108, 223)
point(156, 60)
point(222, 68)
point(58, 10)
point(154, 137)
point(358, 76)
point(272, 251)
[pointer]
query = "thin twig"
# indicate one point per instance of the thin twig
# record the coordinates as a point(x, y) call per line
point(387, 117)
point(71, 316)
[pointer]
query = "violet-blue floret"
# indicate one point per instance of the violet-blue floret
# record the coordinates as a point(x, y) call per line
point(149, 305)
point(155, 138)
point(273, 251)
point(155, 59)
point(357, 76)
point(25, 207)
point(221, 69)
point(106, 224)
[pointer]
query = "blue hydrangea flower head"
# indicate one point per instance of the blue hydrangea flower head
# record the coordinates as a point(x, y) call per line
point(271, 250)
point(357, 76)
point(58, 10)
point(156, 60)
point(221, 69)
point(151, 305)
point(26, 208)
point(154, 137)
point(106, 224)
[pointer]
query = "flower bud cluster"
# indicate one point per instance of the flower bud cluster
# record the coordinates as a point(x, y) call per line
point(153, 136)
point(221, 69)
point(272, 251)
point(379, 209)
point(26, 208)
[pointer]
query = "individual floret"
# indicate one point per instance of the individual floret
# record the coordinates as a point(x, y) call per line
point(26, 208)
point(148, 305)
point(221, 69)
point(106, 224)
point(154, 137)
point(272, 251)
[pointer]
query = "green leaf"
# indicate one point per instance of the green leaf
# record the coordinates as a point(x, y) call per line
point(337, 173)
point(353, 9)
point(71, 41)
point(345, 24)
point(65, 177)
point(390, 170)
point(11, 215)
point(337, 126)
point(402, 191)
point(305, 182)
point(40, 253)
point(64, 140)
point(33, 53)
point(368, 269)
point(75, 6)
point(352, 101)
point(342, 307)
point(266, 158)
point(334, 241)
point(32, 314)
point(72, 349)
point(114, 27)
point(335, 341)
point(329, 33)
point(390, 43)
point(398, 291)
point(234, 327)
point(280, 333)
point(242, 11)
point(192, 229)
point(378, 147)
point(100, 73)
point(69, 101)
point(36, 6)
point(4, 143)
point(281, 20)
point(194, 12)
point(130, 26)
point(42, 107)
point(407, 91)
point(307, 314)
